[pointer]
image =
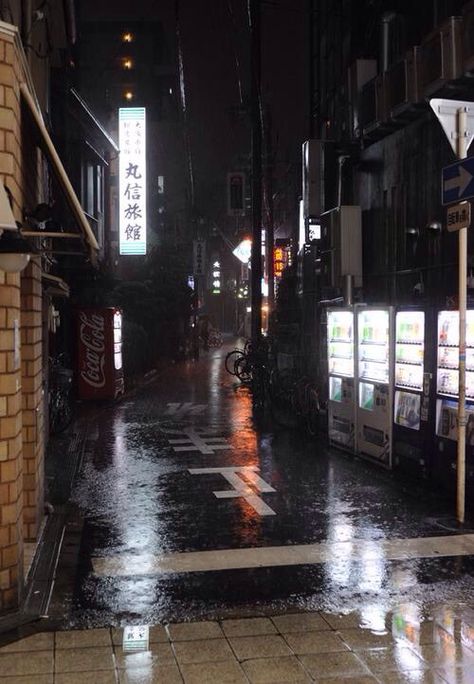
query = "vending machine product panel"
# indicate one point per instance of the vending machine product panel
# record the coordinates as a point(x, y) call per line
point(374, 378)
point(341, 408)
point(447, 386)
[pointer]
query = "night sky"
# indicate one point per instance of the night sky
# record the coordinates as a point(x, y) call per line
point(216, 58)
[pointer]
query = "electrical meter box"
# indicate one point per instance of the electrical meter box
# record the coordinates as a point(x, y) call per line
point(341, 245)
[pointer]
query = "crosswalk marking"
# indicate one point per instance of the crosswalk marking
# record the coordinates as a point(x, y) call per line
point(273, 556)
point(181, 410)
point(241, 489)
point(196, 439)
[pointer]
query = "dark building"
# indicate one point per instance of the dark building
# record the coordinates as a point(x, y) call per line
point(376, 66)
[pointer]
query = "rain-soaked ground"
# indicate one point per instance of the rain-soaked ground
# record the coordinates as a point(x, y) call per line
point(180, 470)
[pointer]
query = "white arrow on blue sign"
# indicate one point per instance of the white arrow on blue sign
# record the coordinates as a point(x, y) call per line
point(458, 181)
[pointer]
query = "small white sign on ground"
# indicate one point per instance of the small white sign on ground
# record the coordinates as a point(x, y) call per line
point(136, 638)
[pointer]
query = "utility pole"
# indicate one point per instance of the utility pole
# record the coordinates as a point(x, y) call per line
point(270, 236)
point(256, 257)
point(461, 455)
point(457, 120)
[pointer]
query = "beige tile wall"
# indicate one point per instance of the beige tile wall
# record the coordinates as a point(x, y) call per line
point(11, 467)
point(32, 399)
point(21, 428)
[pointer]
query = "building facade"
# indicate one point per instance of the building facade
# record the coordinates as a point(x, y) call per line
point(42, 211)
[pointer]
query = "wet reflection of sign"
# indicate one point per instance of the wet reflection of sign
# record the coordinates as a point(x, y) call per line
point(187, 408)
point(135, 638)
point(241, 488)
point(196, 439)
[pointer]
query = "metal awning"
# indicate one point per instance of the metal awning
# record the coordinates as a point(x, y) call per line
point(61, 175)
point(55, 286)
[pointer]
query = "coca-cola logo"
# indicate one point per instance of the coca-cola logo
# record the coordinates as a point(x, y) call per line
point(92, 336)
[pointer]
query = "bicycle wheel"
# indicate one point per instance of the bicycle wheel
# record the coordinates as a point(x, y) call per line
point(60, 413)
point(281, 387)
point(313, 409)
point(243, 370)
point(231, 359)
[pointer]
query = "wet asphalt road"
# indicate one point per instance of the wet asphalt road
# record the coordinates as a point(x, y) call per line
point(145, 490)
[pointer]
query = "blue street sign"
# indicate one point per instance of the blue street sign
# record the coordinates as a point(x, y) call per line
point(457, 181)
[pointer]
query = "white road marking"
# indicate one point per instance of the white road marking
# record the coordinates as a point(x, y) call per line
point(274, 556)
point(240, 488)
point(187, 408)
point(196, 439)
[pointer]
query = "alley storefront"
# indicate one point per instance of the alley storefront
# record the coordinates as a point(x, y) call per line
point(28, 159)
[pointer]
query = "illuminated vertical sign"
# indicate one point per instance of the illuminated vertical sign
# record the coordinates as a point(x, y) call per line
point(132, 180)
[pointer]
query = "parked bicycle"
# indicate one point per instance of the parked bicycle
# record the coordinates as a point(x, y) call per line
point(60, 403)
point(214, 339)
point(306, 404)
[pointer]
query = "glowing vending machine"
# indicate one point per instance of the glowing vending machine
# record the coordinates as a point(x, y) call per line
point(99, 353)
point(374, 383)
point(341, 409)
point(412, 410)
point(447, 386)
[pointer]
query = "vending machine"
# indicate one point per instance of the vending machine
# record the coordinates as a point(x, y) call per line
point(374, 383)
point(99, 353)
point(447, 385)
point(341, 404)
point(413, 411)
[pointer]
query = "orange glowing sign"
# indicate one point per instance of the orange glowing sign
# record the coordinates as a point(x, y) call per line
point(279, 261)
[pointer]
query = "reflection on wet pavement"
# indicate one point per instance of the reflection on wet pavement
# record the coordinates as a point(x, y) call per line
point(406, 644)
point(191, 511)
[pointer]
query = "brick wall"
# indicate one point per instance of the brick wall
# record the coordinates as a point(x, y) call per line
point(11, 469)
point(21, 442)
point(32, 398)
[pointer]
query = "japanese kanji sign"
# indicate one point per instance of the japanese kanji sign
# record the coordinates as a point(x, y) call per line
point(458, 216)
point(132, 180)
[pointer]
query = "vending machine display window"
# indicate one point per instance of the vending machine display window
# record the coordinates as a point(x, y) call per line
point(448, 354)
point(374, 345)
point(366, 396)
point(341, 367)
point(335, 389)
point(409, 349)
point(408, 409)
point(341, 345)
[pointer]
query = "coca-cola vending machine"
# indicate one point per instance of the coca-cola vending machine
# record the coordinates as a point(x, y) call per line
point(99, 357)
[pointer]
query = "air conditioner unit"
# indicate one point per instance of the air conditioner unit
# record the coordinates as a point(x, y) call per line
point(468, 37)
point(402, 91)
point(313, 178)
point(359, 73)
point(441, 58)
point(341, 245)
point(374, 118)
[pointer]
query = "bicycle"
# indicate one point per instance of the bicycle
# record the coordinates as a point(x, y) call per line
point(60, 405)
point(306, 404)
point(214, 339)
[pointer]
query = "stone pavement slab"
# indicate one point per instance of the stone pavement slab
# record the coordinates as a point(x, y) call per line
point(437, 648)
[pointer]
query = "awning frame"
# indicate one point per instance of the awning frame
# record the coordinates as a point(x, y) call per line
point(61, 174)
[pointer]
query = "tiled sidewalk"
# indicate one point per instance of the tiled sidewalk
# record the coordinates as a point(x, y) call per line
point(400, 646)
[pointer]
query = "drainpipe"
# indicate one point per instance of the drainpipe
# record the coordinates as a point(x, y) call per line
point(387, 19)
point(26, 24)
point(341, 159)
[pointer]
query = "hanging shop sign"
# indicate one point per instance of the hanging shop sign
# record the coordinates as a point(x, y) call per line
point(132, 180)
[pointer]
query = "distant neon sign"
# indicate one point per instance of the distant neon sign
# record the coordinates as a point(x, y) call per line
point(132, 180)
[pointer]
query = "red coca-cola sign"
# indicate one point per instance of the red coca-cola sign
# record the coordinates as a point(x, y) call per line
point(92, 339)
point(98, 377)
